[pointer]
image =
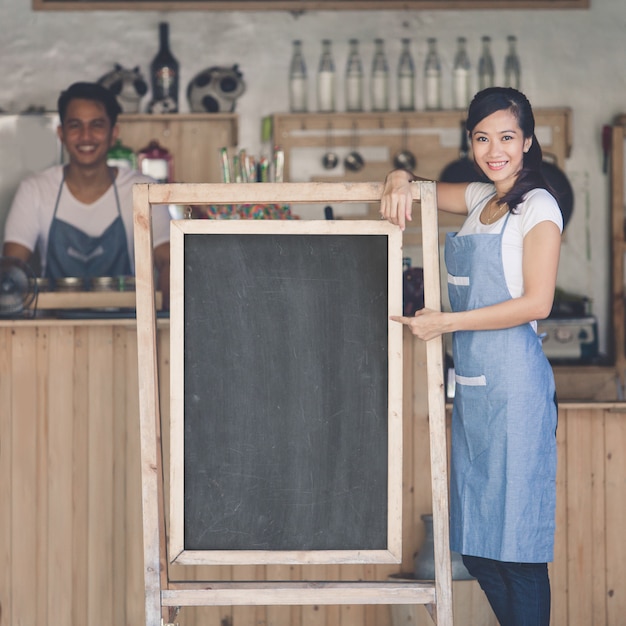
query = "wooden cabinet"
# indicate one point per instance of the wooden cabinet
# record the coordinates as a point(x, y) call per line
point(71, 519)
point(304, 5)
point(193, 139)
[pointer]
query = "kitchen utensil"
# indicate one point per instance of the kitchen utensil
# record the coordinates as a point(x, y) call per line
point(18, 286)
point(354, 162)
point(69, 283)
point(606, 147)
point(330, 160)
point(560, 185)
point(104, 283)
point(463, 169)
point(405, 159)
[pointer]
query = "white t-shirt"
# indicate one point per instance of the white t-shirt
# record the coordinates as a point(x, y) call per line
point(29, 219)
point(538, 206)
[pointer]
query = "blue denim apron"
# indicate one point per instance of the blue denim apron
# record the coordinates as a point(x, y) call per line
point(503, 462)
point(72, 252)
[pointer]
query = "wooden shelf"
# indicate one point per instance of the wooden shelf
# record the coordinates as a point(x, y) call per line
point(587, 383)
point(434, 137)
point(302, 5)
point(89, 300)
point(193, 139)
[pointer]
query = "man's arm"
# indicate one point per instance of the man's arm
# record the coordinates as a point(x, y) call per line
point(17, 251)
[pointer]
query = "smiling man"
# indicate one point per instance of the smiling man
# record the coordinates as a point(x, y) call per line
point(80, 215)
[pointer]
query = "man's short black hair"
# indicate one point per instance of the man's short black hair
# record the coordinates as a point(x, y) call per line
point(90, 91)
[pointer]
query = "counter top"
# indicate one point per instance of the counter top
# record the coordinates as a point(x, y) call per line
point(578, 386)
point(129, 321)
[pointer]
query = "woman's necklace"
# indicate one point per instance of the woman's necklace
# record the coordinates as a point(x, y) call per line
point(491, 214)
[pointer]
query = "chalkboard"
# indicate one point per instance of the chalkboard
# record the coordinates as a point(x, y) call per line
point(164, 592)
point(285, 392)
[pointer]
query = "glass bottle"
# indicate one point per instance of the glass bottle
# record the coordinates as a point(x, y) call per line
point(486, 72)
point(432, 77)
point(461, 93)
point(326, 79)
point(164, 73)
point(512, 67)
point(354, 78)
point(406, 78)
point(298, 95)
point(380, 78)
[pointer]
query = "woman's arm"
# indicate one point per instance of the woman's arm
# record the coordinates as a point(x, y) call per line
point(396, 203)
point(540, 263)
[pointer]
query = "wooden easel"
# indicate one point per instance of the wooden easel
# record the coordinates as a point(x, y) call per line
point(163, 594)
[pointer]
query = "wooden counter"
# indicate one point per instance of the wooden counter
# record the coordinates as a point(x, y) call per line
point(70, 524)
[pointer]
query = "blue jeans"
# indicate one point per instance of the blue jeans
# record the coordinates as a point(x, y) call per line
point(519, 593)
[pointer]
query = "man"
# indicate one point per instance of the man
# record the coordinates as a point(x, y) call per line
point(80, 215)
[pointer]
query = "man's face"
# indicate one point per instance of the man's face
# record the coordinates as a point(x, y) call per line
point(87, 133)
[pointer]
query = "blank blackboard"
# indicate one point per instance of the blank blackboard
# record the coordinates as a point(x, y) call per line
point(285, 392)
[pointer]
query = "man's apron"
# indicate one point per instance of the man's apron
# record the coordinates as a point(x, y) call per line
point(503, 470)
point(72, 252)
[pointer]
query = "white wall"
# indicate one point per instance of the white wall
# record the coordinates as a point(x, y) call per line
point(569, 58)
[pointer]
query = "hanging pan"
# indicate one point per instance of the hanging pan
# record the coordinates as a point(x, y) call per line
point(463, 170)
point(560, 185)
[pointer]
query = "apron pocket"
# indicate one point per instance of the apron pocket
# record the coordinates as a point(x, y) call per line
point(473, 409)
point(461, 281)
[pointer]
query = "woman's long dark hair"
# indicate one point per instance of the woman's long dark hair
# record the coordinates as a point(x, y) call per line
point(494, 99)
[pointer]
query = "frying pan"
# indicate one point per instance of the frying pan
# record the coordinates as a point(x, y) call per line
point(560, 185)
point(463, 170)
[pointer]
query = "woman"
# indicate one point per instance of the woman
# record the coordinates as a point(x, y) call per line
point(502, 268)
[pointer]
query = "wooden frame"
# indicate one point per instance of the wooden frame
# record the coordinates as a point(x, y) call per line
point(302, 5)
point(160, 591)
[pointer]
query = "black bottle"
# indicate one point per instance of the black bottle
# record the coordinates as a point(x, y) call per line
point(164, 76)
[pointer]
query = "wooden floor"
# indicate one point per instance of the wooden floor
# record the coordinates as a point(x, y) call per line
point(70, 524)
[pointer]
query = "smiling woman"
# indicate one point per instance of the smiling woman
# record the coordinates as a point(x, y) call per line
point(502, 267)
point(499, 146)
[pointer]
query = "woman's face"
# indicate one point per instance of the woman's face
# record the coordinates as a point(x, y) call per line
point(498, 146)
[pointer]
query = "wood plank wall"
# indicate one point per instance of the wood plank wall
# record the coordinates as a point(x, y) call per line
point(70, 520)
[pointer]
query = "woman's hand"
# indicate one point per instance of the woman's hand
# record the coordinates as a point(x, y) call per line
point(396, 203)
point(427, 324)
